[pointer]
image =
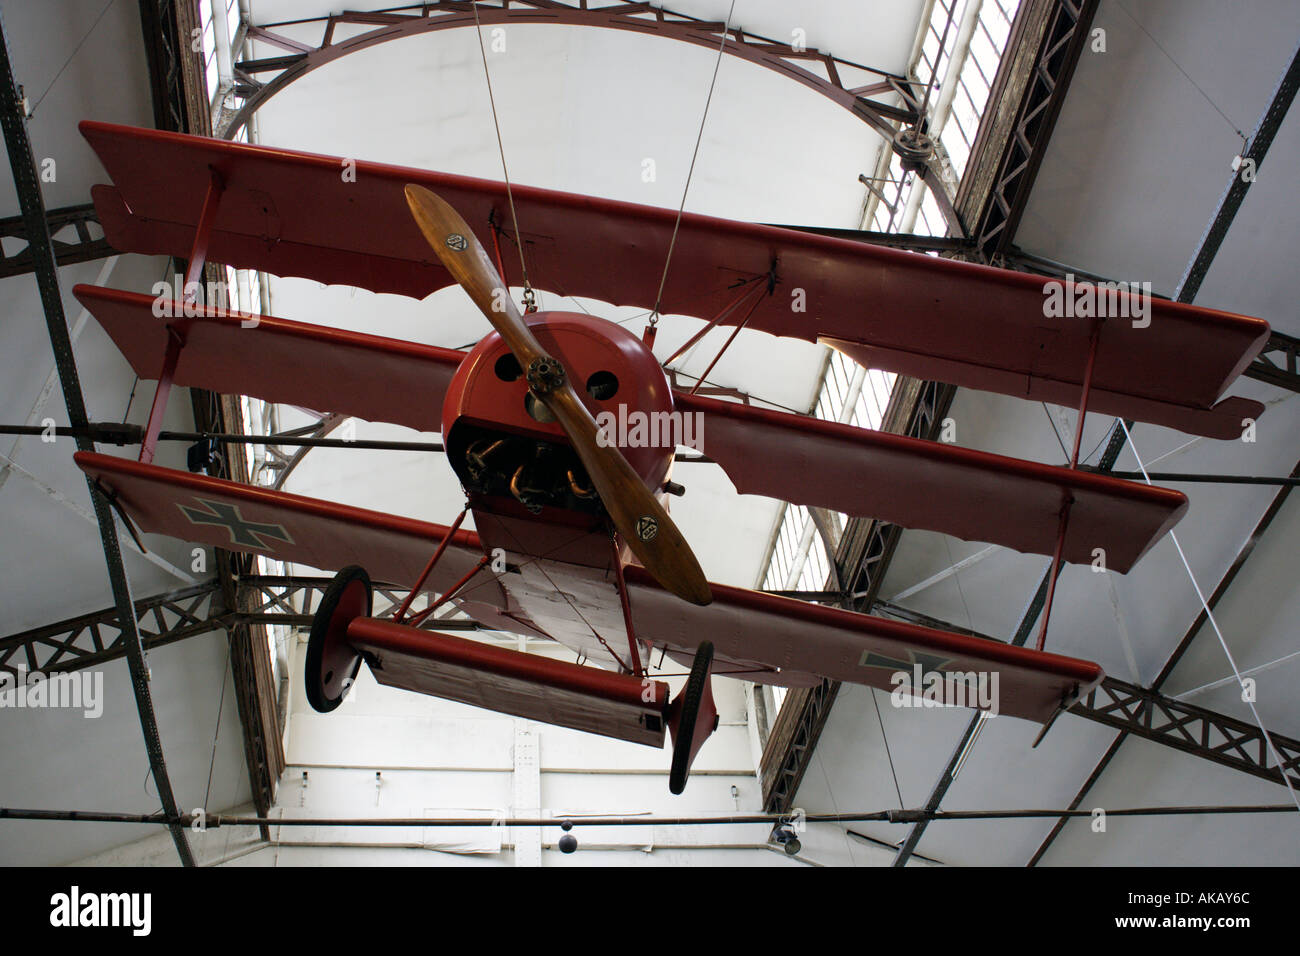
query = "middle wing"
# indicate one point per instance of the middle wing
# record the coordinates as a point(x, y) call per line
point(934, 486)
point(802, 460)
point(276, 360)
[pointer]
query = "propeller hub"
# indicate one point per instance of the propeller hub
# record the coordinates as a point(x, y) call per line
point(545, 375)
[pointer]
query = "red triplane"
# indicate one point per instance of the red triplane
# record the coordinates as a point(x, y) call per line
point(593, 560)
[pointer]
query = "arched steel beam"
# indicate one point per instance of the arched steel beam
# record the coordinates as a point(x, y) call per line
point(636, 17)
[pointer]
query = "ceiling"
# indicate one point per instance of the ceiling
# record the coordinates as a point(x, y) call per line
point(1133, 174)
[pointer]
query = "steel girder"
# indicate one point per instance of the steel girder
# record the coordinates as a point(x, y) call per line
point(1046, 41)
point(301, 59)
point(1227, 741)
point(91, 640)
point(1252, 158)
point(22, 163)
point(1279, 362)
point(80, 247)
point(1147, 713)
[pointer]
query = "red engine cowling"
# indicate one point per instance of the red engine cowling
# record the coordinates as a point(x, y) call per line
point(514, 459)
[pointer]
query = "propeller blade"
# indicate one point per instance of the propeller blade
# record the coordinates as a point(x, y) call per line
point(636, 513)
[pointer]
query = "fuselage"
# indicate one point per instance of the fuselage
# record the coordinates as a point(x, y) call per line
point(530, 496)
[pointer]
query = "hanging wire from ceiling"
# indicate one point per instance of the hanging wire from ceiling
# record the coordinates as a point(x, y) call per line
point(888, 753)
point(510, 196)
point(1209, 614)
point(216, 730)
point(663, 280)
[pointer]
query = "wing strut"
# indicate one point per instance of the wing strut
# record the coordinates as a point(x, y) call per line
point(189, 294)
point(1074, 464)
point(451, 592)
point(442, 546)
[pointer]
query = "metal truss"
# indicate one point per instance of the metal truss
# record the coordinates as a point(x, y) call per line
point(1278, 363)
point(165, 54)
point(1227, 741)
point(1046, 41)
point(80, 246)
point(92, 640)
point(1145, 712)
point(815, 70)
point(22, 164)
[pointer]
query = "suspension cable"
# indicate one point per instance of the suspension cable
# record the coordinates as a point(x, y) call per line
point(726, 28)
point(510, 196)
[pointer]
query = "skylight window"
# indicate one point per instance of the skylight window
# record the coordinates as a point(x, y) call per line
point(959, 55)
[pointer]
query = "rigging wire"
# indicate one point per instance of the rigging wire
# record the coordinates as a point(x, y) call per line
point(31, 114)
point(1209, 614)
point(885, 738)
point(510, 196)
point(726, 28)
point(216, 731)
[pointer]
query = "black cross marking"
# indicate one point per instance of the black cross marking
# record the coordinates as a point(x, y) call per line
point(930, 664)
point(247, 534)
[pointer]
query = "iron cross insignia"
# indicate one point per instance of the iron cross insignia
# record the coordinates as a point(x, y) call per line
point(457, 242)
point(930, 663)
point(247, 534)
point(646, 527)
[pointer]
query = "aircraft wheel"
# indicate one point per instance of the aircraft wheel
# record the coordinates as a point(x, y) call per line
point(332, 663)
point(692, 697)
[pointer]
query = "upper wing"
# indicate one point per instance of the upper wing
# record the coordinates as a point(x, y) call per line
point(938, 487)
point(750, 626)
point(372, 377)
point(321, 534)
point(294, 214)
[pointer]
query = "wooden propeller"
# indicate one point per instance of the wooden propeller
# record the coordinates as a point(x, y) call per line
point(635, 511)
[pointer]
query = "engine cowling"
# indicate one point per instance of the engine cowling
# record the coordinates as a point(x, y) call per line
point(506, 448)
